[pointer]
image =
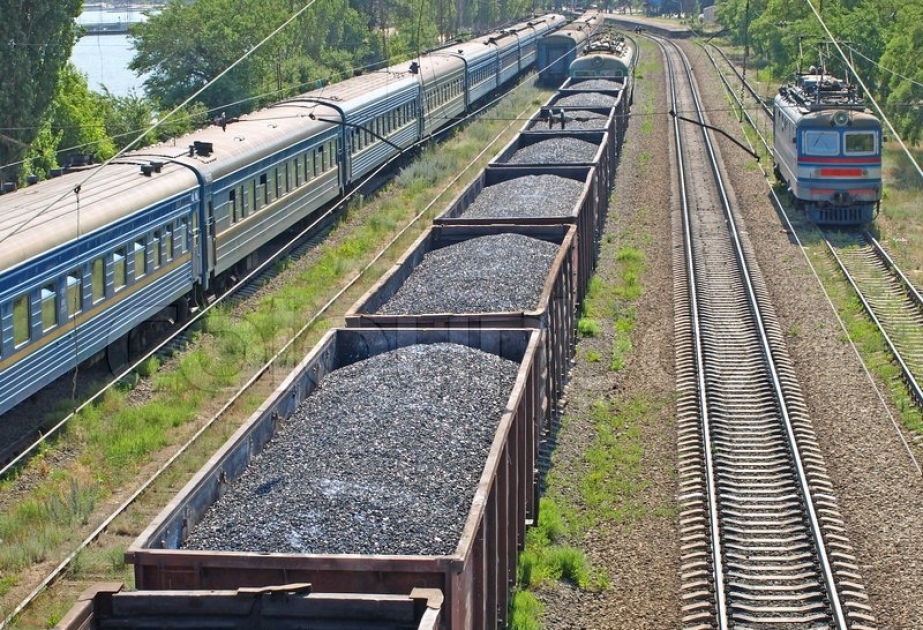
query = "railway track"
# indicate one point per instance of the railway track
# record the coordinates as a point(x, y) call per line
point(763, 543)
point(333, 308)
point(890, 300)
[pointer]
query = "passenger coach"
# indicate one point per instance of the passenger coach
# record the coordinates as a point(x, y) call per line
point(89, 255)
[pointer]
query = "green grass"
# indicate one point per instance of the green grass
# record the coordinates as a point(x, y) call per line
point(587, 327)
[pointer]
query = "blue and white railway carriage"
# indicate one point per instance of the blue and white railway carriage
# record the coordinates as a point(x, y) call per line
point(508, 49)
point(443, 79)
point(381, 105)
point(259, 176)
point(84, 260)
point(539, 28)
point(557, 50)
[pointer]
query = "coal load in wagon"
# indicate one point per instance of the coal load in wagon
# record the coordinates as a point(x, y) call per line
point(587, 99)
point(532, 196)
point(596, 84)
point(487, 274)
point(556, 151)
point(574, 119)
point(383, 458)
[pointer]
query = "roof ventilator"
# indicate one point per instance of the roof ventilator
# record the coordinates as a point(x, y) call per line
point(203, 149)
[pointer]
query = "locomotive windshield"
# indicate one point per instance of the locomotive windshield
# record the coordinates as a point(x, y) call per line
point(860, 142)
point(818, 142)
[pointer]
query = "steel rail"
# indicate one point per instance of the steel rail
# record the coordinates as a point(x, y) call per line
point(737, 99)
point(833, 594)
point(913, 296)
point(832, 590)
point(709, 464)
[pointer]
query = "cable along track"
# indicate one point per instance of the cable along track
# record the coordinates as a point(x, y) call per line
point(763, 543)
point(888, 297)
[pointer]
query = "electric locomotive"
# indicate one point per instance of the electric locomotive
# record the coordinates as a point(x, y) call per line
point(608, 57)
point(827, 149)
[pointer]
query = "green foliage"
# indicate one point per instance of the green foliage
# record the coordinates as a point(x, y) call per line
point(526, 610)
point(187, 45)
point(587, 327)
point(77, 113)
point(37, 37)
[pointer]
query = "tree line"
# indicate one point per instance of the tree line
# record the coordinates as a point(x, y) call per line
point(883, 40)
point(48, 112)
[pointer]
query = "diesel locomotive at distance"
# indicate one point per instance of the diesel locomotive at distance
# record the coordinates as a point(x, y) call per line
point(89, 255)
point(827, 149)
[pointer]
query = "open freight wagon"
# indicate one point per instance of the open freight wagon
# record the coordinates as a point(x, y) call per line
point(553, 310)
point(582, 209)
point(575, 98)
point(475, 576)
point(288, 607)
point(563, 147)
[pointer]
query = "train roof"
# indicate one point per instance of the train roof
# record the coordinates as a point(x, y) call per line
point(41, 217)
point(816, 91)
point(38, 218)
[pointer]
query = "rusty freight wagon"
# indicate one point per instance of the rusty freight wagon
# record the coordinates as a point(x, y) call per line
point(452, 275)
point(288, 607)
point(579, 98)
point(563, 147)
point(536, 195)
point(358, 478)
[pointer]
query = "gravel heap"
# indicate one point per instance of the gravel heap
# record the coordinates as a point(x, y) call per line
point(527, 197)
point(588, 99)
point(575, 119)
point(384, 458)
point(556, 151)
point(597, 84)
point(489, 274)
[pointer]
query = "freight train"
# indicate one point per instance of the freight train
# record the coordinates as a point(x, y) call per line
point(91, 253)
point(827, 149)
point(375, 467)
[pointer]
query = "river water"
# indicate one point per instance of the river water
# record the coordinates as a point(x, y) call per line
point(105, 58)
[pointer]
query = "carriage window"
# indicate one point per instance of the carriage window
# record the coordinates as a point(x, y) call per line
point(49, 307)
point(22, 316)
point(74, 294)
point(155, 250)
point(232, 201)
point(859, 142)
point(168, 243)
point(98, 280)
point(140, 259)
point(821, 142)
point(119, 271)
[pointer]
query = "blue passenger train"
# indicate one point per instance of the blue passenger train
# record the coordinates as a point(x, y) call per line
point(89, 255)
point(558, 50)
